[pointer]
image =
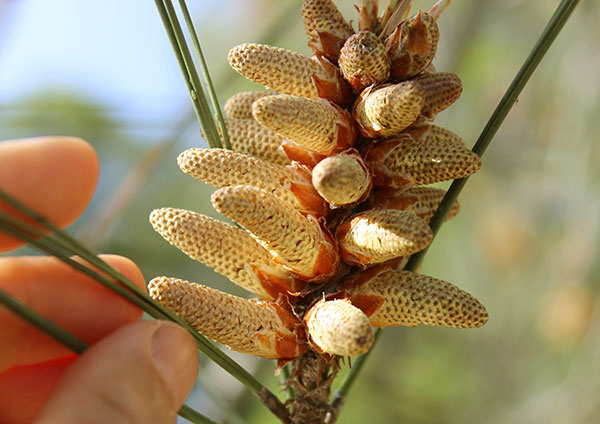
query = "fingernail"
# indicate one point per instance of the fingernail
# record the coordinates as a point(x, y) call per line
point(174, 354)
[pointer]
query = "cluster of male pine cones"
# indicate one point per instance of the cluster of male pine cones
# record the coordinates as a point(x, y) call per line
point(325, 180)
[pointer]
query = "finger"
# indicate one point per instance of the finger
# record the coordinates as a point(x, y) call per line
point(142, 373)
point(24, 390)
point(67, 297)
point(54, 176)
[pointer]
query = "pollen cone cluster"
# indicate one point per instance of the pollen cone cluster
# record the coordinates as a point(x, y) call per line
point(326, 183)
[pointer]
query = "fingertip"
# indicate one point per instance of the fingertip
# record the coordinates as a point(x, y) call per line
point(54, 176)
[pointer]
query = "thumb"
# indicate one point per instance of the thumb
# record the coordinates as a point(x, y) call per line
point(141, 373)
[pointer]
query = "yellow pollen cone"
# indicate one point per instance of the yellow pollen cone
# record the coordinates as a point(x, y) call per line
point(364, 61)
point(379, 235)
point(297, 242)
point(231, 251)
point(259, 328)
point(407, 298)
point(315, 124)
point(342, 179)
point(338, 328)
point(388, 110)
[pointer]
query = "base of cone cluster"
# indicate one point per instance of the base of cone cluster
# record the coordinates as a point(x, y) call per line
point(326, 181)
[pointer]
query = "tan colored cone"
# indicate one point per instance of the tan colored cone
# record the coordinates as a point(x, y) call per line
point(412, 45)
point(342, 179)
point(379, 235)
point(441, 90)
point(256, 327)
point(407, 298)
point(364, 61)
point(422, 201)
point(315, 124)
point(239, 106)
point(400, 162)
point(326, 28)
point(295, 241)
point(249, 137)
point(231, 251)
point(427, 132)
point(387, 110)
point(338, 328)
point(289, 72)
point(222, 168)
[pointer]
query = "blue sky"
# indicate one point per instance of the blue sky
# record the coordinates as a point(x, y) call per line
point(113, 50)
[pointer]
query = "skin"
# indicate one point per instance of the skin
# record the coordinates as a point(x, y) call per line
point(134, 371)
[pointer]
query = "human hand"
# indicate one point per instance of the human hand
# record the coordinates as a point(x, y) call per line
point(134, 371)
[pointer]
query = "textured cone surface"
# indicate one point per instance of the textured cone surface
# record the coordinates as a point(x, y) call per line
point(407, 298)
point(412, 46)
point(256, 327)
point(426, 133)
point(314, 124)
point(222, 168)
point(379, 235)
point(388, 110)
point(341, 179)
point(279, 69)
point(326, 28)
point(422, 201)
point(433, 162)
point(239, 106)
point(364, 61)
point(295, 241)
point(339, 328)
point(249, 137)
point(441, 90)
point(231, 251)
point(395, 162)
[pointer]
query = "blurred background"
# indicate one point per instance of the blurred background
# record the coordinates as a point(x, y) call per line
point(525, 243)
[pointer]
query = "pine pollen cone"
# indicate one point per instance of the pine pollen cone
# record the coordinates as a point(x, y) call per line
point(256, 327)
point(337, 327)
point(364, 61)
point(317, 125)
point(298, 242)
point(402, 161)
point(407, 298)
point(343, 179)
point(388, 110)
point(229, 250)
point(441, 90)
point(288, 72)
point(376, 236)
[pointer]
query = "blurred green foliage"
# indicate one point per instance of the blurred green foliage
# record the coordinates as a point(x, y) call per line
point(526, 241)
